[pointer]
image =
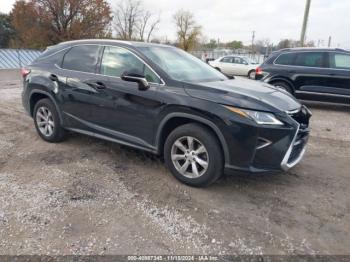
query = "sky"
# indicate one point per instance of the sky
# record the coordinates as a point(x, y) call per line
point(229, 20)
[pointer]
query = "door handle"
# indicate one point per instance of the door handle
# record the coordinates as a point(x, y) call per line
point(53, 78)
point(96, 85)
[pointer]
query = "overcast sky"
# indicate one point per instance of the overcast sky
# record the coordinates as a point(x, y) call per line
point(236, 19)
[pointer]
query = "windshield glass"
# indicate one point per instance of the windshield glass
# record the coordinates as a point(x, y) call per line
point(180, 65)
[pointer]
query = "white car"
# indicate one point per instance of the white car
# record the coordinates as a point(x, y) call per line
point(235, 66)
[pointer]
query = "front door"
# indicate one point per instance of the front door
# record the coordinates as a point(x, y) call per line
point(119, 108)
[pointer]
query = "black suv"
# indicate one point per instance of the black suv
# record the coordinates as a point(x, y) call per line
point(161, 99)
point(309, 73)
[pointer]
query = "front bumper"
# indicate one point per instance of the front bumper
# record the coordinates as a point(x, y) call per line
point(296, 149)
point(267, 148)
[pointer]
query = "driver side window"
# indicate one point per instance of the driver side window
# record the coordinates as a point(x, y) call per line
point(116, 60)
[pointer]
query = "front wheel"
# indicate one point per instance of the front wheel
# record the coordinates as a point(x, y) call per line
point(193, 155)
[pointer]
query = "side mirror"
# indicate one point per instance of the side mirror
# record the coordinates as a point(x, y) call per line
point(133, 76)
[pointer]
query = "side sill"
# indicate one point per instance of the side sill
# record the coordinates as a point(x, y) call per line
point(84, 132)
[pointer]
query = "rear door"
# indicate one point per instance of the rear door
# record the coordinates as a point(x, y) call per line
point(309, 72)
point(339, 73)
point(79, 66)
point(240, 66)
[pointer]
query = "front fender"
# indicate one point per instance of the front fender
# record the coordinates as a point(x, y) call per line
point(197, 118)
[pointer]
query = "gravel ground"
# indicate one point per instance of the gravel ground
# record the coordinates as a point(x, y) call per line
point(88, 196)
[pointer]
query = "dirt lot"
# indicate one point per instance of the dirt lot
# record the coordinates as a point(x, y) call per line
point(87, 196)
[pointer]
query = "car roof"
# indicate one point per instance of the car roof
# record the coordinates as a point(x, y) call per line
point(111, 41)
point(241, 56)
point(324, 49)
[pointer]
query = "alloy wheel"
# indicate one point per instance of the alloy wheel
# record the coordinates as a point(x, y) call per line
point(45, 121)
point(190, 157)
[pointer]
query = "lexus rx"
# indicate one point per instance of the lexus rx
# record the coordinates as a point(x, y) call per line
point(161, 99)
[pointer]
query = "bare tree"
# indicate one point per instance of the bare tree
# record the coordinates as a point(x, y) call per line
point(188, 32)
point(146, 26)
point(132, 22)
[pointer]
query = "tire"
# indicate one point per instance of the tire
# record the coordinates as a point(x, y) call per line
point(47, 121)
point(218, 69)
point(175, 158)
point(251, 74)
point(284, 86)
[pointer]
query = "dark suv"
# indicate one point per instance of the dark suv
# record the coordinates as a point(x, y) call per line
point(309, 73)
point(161, 99)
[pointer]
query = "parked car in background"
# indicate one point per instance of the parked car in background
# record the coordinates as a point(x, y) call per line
point(163, 100)
point(309, 73)
point(232, 65)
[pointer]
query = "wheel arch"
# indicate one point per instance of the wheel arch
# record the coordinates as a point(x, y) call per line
point(36, 95)
point(282, 79)
point(174, 120)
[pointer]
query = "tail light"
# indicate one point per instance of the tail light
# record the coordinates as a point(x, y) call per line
point(24, 72)
point(258, 71)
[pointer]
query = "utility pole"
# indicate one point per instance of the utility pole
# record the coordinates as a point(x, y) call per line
point(329, 41)
point(306, 18)
point(253, 38)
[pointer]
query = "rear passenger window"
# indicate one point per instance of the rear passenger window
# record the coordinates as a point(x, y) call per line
point(82, 58)
point(285, 59)
point(340, 61)
point(309, 59)
point(237, 60)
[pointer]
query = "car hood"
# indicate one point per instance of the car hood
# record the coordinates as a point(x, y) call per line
point(244, 93)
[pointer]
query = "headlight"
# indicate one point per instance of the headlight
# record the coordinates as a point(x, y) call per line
point(259, 117)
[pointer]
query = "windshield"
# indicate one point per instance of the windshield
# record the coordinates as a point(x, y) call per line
point(180, 65)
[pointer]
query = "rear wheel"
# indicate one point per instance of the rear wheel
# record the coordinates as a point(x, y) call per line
point(251, 74)
point(193, 155)
point(284, 86)
point(218, 69)
point(47, 121)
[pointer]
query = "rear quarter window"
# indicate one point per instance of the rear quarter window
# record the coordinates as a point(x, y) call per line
point(54, 58)
point(340, 61)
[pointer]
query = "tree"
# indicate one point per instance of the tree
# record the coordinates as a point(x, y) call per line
point(262, 45)
point(133, 22)
point(25, 21)
point(43, 22)
point(188, 32)
point(234, 44)
point(287, 43)
point(211, 44)
point(6, 30)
